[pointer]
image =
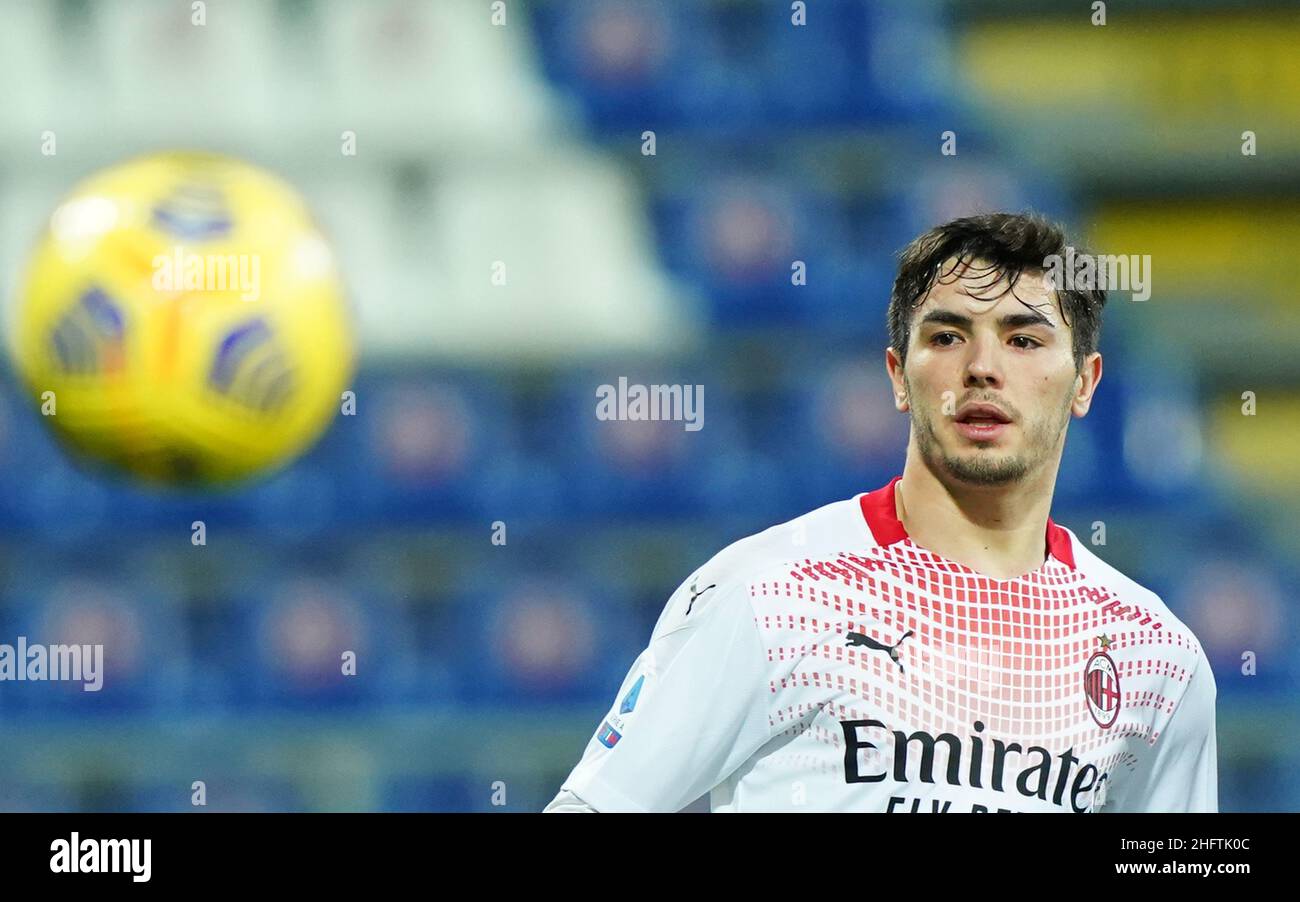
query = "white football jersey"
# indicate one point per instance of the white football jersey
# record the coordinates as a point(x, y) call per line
point(831, 664)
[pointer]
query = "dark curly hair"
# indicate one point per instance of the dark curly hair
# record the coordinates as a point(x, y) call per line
point(1011, 244)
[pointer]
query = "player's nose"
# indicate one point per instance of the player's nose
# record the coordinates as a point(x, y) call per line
point(982, 367)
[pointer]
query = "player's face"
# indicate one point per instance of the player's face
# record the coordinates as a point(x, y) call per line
point(990, 378)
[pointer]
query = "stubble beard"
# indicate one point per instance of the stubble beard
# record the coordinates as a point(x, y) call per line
point(986, 468)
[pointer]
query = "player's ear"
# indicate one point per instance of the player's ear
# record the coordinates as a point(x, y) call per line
point(894, 367)
point(1086, 383)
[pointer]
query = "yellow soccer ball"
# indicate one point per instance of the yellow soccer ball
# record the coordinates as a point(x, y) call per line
point(182, 319)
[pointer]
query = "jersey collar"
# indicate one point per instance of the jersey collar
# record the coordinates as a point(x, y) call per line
point(882, 518)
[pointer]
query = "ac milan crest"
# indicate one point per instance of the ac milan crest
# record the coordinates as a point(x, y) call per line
point(1101, 686)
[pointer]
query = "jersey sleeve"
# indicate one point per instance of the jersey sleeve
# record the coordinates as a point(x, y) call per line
point(568, 803)
point(691, 710)
point(1181, 773)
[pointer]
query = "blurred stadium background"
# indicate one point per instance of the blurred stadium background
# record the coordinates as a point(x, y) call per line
point(523, 143)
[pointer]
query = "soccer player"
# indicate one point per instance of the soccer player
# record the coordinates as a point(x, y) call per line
point(937, 644)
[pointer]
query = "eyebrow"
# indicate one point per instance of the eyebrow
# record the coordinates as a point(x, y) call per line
point(1010, 321)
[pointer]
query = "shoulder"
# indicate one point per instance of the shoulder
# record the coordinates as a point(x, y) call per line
point(726, 577)
point(838, 526)
point(1120, 594)
point(1130, 606)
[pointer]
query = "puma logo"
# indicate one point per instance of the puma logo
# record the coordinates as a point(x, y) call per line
point(696, 593)
point(864, 639)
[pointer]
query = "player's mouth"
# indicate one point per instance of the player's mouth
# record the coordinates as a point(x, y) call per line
point(981, 422)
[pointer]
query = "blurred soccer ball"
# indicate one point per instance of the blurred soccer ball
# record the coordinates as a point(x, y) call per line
point(182, 319)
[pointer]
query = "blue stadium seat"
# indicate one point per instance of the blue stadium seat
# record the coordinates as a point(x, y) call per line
point(293, 633)
point(739, 238)
point(537, 640)
point(833, 427)
point(652, 468)
point(696, 66)
point(141, 665)
point(426, 447)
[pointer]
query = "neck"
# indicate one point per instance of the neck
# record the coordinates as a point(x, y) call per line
point(995, 530)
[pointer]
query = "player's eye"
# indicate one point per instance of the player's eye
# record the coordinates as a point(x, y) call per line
point(1027, 342)
point(944, 339)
